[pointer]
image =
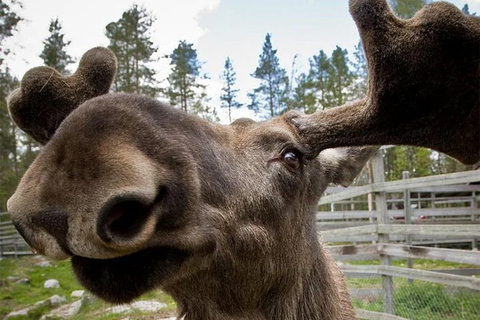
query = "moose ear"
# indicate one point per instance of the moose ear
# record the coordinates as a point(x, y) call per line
point(342, 165)
point(45, 97)
point(424, 76)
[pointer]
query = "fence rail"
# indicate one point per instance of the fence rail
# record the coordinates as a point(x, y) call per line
point(11, 242)
point(399, 220)
point(414, 184)
point(365, 314)
point(405, 251)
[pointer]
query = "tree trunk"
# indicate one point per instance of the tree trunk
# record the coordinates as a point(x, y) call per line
point(270, 92)
point(14, 151)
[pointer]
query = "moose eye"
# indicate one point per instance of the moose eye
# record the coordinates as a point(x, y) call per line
point(291, 159)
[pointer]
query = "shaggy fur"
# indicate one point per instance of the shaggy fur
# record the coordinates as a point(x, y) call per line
point(43, 88)
point(143, 196)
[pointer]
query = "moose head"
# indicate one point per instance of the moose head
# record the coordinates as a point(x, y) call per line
point(143, 196)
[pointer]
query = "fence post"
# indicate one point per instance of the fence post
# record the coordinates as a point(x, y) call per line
point(474, 205)
point(382, 218)
point(370, 194)
point(408, 218)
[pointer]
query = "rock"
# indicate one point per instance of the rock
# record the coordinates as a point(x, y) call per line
point(64, 312)
point(119, 309)
point(88, 298)
point(12, 279)
point(51, 283)
point(23, 281)
point(43, 264)
point(77, 293)
point(56, 300)
point(18, 313)
point(52, 301)
point(144, 306)
point(148, 306)
point(42, 303)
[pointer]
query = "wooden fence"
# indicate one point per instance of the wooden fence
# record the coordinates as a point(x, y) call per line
point(403, 220)
point(11, 242)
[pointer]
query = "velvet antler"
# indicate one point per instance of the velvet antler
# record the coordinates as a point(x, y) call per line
point(45, 97)
point(424, 85)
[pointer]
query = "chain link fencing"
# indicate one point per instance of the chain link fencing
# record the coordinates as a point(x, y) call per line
point(415, 299)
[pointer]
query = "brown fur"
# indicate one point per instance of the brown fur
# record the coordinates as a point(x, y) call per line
point(143, 196)
point(211, 213)
point(424, 84)
point(42, 87)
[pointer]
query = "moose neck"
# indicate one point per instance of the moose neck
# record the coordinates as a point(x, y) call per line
point(297, 282)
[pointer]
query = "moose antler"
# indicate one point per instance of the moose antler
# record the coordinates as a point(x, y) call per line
point(424, 85)
point(43, 92)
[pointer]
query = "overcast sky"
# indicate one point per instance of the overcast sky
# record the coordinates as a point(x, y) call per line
point(218, 28)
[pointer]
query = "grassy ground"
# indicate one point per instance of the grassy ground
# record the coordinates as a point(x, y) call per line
point(15, 296)
point(427, 301)
point(413, 300)
point(419, 300)
point(422, 264)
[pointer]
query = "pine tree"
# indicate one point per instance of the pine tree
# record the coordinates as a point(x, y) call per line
point(130, 41)
point(320, 76)
point(184, 77)
point(341, 77)
point(303, 95)
point(10, 171)
point(202, 109)
point(254, 103)
point(293, 91)
point(186, 90)
point(9, 20)
point(272, 94)
point(229, 96)
point(406, 9)
point(360, 85)
point(9, 159)
point(466, 10)
point(54, 54)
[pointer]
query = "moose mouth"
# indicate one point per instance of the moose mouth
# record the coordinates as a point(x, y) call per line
point(122, 279)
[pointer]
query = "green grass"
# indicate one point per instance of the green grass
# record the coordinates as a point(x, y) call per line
point(368, 304)
point(419, 300)
point(422, 264)
point(26, 294)
point(18, 296)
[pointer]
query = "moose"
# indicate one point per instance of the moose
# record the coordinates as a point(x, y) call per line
point(140, 195)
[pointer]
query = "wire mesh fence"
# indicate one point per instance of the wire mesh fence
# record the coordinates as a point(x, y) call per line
point(415, 299)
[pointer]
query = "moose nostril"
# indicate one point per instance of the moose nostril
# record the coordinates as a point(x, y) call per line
point(55, 223)
point(122, 220)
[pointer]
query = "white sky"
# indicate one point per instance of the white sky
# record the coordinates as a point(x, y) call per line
point(218, 28)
